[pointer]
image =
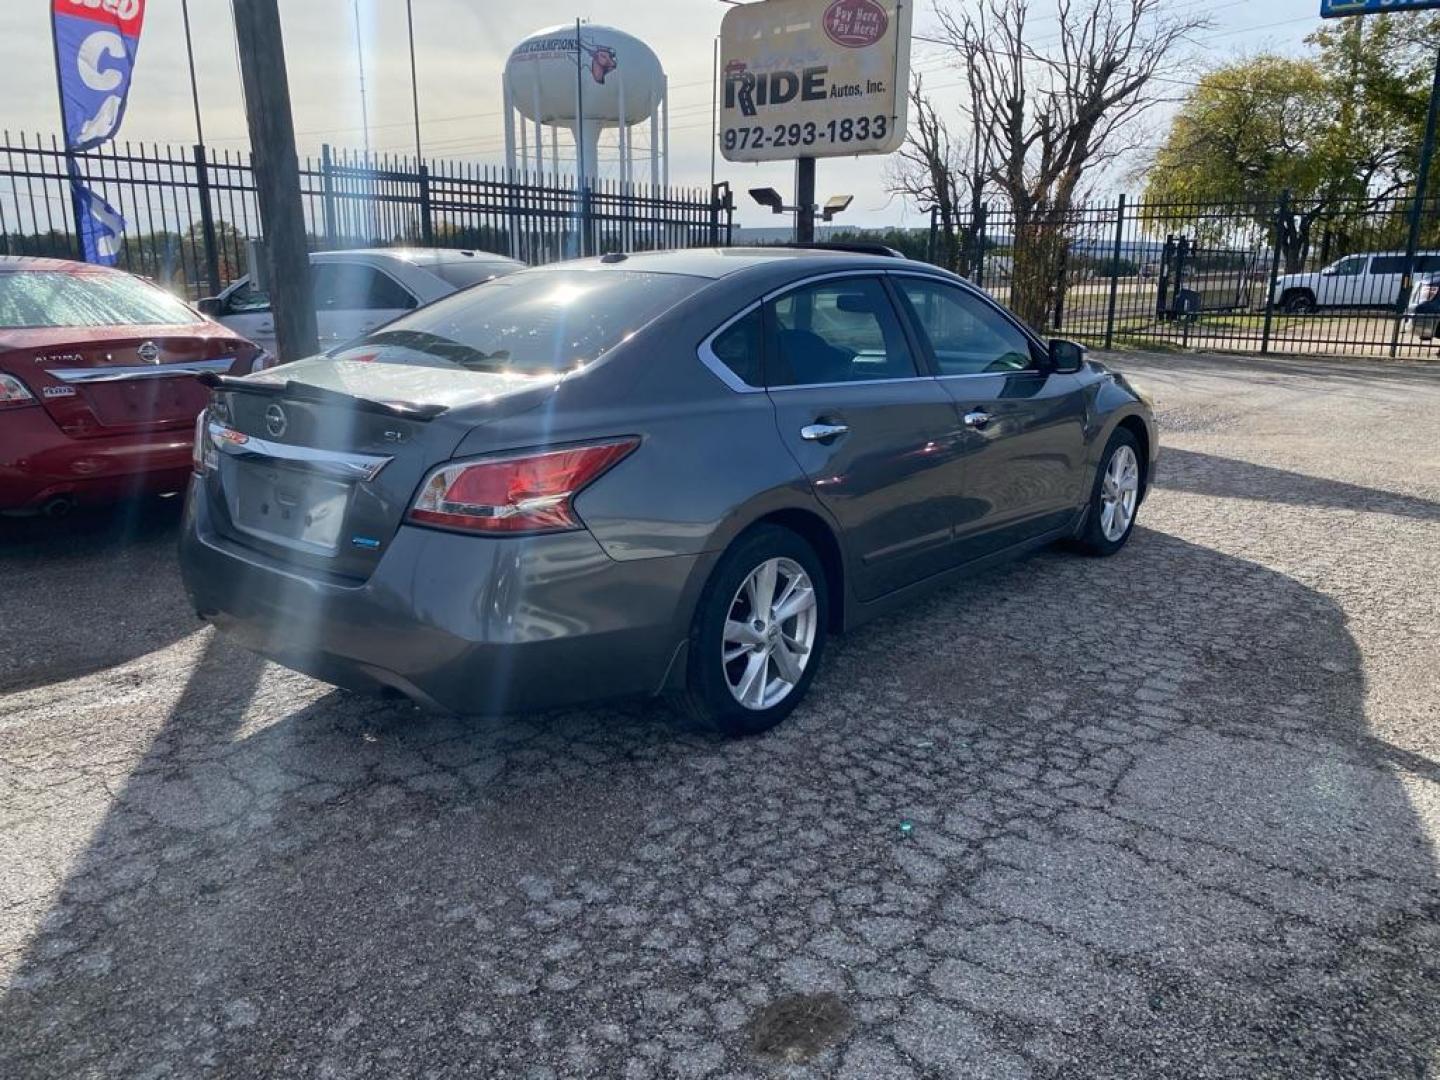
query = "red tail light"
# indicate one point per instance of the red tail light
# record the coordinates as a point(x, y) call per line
point(13, 392)
point(520, 494)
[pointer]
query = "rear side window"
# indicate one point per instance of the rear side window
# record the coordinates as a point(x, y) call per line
point(58, 298)
point(1388, 264)
point(463, 274)
point(738, 348)
point(356, 287)
point(531, 323)
point(836, 332)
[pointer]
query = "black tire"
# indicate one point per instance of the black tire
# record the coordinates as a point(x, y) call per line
point(1092, 539)
point(1298, 303)
point(707, 700)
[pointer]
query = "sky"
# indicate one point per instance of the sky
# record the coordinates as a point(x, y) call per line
point(461, 47)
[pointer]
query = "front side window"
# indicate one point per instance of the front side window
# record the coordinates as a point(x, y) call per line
point(31, 298)
point(967, 335)
point(837, 332)
point(245, 299)
point(356, 287)
point(1352, 267)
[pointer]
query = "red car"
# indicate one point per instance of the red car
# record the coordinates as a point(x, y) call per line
point(98, 395)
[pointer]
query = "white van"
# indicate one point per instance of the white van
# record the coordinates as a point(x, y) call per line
point(1366, 279)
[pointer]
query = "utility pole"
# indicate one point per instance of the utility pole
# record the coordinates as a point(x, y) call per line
point(414, 82)
point(277, 175)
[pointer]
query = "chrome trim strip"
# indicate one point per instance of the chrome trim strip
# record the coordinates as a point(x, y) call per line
point(310, 459)
point(141, 371)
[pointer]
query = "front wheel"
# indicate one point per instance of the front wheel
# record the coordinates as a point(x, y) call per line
point(1114, 498)
point(1300, 303)
point(758, 633)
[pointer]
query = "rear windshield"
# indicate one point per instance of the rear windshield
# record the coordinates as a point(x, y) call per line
point(531, 323)
point(30, 298)
point(464, 273)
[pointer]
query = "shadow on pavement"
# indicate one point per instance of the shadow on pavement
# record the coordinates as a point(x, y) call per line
point(1206, 474)
point(60, 619)
point(1150, 837)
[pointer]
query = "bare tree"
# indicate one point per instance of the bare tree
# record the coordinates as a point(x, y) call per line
point(942, 176)
point(1046, 118)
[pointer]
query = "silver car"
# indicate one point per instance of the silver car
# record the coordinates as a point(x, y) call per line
point(359, 290)
point(672, 473)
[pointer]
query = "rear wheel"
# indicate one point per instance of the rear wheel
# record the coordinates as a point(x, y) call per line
point(1114, 499)
point(759, 630)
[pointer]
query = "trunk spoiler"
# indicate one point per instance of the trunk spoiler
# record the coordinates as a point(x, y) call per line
point(298, 391)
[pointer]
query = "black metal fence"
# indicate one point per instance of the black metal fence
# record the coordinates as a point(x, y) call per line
point(1271, 275)
point(191, 212)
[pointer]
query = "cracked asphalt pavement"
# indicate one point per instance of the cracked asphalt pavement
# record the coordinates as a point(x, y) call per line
point(1171, 814)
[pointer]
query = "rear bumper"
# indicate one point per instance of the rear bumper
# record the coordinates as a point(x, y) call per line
point(465, 624)
point(39, 462)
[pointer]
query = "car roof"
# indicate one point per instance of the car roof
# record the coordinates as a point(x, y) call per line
point(425, 256)
point(716, 263)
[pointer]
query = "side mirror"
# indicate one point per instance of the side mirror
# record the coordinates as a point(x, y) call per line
point(212, 306)
point(1066, 357)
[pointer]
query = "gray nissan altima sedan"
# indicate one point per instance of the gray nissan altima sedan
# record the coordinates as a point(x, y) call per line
point(672, 473)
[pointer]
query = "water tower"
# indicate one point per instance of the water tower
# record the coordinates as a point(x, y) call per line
point(586, 79)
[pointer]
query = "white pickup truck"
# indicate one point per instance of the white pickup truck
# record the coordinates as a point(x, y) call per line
point(1366, 279)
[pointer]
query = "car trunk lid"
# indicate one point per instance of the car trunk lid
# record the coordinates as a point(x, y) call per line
point(97, 381)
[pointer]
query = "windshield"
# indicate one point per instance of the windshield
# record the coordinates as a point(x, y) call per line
point(532, 323)
point(40, 298)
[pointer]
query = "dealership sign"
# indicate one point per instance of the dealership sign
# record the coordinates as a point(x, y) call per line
point(813, 78)
point(1334, 9)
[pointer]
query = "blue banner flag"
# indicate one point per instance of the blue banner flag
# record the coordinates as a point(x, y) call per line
point(95, 44)
point(1334, 9)
point(101, 226)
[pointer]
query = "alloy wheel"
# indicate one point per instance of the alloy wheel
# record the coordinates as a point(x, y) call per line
point(1119, 492)
point(769, 633)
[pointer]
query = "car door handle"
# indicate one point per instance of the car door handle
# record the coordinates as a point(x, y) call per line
point(977, 418)
point(823, 432)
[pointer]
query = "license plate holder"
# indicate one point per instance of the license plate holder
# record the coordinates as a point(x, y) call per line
point(289, 507)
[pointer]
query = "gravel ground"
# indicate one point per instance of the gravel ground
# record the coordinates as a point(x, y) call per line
point(1170, 814)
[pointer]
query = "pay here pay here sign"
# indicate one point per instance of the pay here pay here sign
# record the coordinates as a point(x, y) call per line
point(813, 78)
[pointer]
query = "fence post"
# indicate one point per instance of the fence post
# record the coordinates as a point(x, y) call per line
point(207, 222)
point(587, 222)
point(1115, 274)
point(930, 244)
point(977, 242)
point(427, 226)
point(327, 194)
point(1281, 212)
